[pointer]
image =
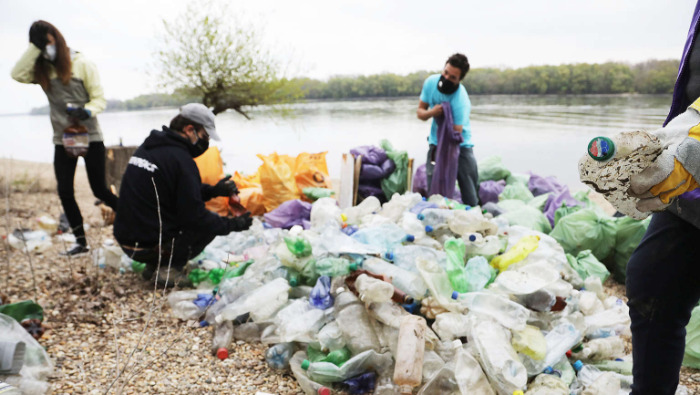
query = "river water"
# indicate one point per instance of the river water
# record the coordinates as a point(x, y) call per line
point(543, 134)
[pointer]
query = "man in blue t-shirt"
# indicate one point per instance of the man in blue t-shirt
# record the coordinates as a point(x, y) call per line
point(446, 87)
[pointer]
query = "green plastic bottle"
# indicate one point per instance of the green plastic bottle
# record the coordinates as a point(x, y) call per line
point(137, 267)
point(198, 275)
point(333, 267)
point(298, 246)
point(338, 357)
point(24, 310)
point(455, 250)
point(237, 269)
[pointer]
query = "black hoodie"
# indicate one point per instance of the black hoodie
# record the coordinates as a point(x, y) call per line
point(163, 159)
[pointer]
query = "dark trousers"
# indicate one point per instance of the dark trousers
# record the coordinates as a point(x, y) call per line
point(182, 247)
point(663, 287)
point(467, 174)
point(64, 167)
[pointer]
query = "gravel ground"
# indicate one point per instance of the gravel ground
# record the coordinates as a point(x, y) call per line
point(112, 332)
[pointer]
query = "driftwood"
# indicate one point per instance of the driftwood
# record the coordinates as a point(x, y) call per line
point(116, 159)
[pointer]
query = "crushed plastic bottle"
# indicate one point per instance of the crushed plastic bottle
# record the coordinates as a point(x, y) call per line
point(487, 247)
point(320, 297)
point(504, 311)
point(408, 371)
point(327, 372)
point(409, 282)
point(456, 272)
point(517, 253)
point(261, 303)
point(331, 337)
point(354, 323)
point(559, 340)
point(278, 356)
point(603, 348)
point(373, 290)
point(465, 222)
point(333, 267)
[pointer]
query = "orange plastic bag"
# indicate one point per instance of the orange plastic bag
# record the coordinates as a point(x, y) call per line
point(277, 180)
point(211, 170)
point(250, 192)
point(311, 171)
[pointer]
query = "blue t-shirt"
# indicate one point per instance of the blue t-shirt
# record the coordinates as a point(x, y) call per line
point(461, 108)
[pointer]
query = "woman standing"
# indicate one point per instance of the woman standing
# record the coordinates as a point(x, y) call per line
point(72, 85)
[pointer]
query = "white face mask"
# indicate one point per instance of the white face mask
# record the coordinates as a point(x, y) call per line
point(50, 52)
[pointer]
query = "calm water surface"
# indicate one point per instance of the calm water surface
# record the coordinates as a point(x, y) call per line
point(543, 134)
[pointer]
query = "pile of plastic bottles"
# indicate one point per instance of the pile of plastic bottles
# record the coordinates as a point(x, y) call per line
point(428, 296)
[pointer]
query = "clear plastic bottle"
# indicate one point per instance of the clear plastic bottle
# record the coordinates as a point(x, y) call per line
point(498, 358)
point(436, 216)
point(450, 326)
point(603, 348)
point(530, 341)
point(479, 273)
point(517, 253)
point(331, 337)
point(353, 215)
point(465, 222)
point(384, 236)
point(432, 363)
point(503, 310)
point(559, 340)
point(223, 333)
point(438, 283)
point(373, 290)
point(320, 297)
point(405, 256)
point(278, 356)
point(261, 303)
point(455, 249)
point(354, 322)
point(307, 385)
point(325, 211)
point(408, 371)
point(182, 306)
point(407, 281)
point(488, 247)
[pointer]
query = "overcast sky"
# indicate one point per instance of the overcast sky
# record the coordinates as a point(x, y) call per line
point(322, 38)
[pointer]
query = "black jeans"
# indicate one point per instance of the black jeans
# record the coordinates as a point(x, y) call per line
point(64, 167)
point(185, 246)
point(663, 287)
point(467, 174)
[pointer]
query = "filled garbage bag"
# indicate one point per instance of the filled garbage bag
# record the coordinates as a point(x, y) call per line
point(628, 234)
point(555, 201)
point(540, 185)
point(519, 213)
point(586, 265)
point(563, 211)
point(311, 171)
point(516, 191)
point(277, 180)
point(586, 229)
point(492, 168)
point(420, 181)
point(692, 340)
point(370, 154)
point(489, 190)
point(290, 213)
point(250, 192)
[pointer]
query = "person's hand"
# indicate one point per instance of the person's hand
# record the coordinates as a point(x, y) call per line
point(79, 113)
point(38, 35)
point(237, 224)
point(225, 187)
point(658, 184)
point(437, 110)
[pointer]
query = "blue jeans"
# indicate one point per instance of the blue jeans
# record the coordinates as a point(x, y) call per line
point(663, 287)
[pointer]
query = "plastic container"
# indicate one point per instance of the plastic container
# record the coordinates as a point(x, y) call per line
point(373, 290)
point(409, 282)
point(408, 371)
point(320, 297)
point(355, 324)
point(278, 356)
point(517, 253)
point(261, 303)
point(603, 348)
point(504, 311)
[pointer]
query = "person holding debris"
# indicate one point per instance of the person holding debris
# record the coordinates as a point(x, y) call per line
point(72, 85)
point(161, 219)
point(663, 274)
point(437, 90)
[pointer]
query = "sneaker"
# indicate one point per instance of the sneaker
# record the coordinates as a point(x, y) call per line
point(76, 250)
point(177, 277)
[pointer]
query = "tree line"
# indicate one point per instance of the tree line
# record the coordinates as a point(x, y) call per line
point(650, 77)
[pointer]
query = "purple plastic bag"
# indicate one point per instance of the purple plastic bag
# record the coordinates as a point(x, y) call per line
point(489, 190)
point(366, 190)
point(420, 181)
point(388, 167)
point(418, 208)
point(539, 185)
point(288, 214)
point(555, 200)
point(370, 172)
point(370, 154)
point(691, 195)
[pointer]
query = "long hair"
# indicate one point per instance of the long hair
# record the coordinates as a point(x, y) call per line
point(62, 63)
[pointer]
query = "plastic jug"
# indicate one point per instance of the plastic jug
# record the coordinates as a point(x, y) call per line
point(408, 371)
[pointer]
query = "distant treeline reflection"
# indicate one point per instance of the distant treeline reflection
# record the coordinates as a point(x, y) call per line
point(650, 77)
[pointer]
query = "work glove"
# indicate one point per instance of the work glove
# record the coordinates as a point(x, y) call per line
point(79, 113)
point(237, 224)
point(225, 187)
point(677, 169)
point(37, 35)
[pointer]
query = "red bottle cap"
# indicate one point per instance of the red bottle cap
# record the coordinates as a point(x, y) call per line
point(222, 353)
point(324, 391)
point(568, 354)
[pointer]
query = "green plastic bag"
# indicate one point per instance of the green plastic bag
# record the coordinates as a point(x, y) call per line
point(492, 168)
point(517, 192)
point(511, 205)
point(586, 265)
point(692, 340)
point(397, 181)
point(627, 237)
point(527, 216)
point(563, 211)
point(315, 193)
point(298, 246)
point(24, 310)
point(539, 202)
point(586, 229)
point(518, 178)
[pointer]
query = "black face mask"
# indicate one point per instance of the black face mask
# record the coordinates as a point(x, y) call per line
point(446, 86)
point(199, 147)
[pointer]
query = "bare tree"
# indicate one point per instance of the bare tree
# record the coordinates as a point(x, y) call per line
point(212, 54)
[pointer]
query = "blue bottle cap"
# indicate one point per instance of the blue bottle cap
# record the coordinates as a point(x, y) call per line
point(472, 237)
point(619, 359)
point(455, 295)
point(428, 229)
point(423, 198)
point(389, 256)
point(421, 216)
point(578, 365)
point(548, 370)
point(467, 207)
point(410, 238)
point(203, 323)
